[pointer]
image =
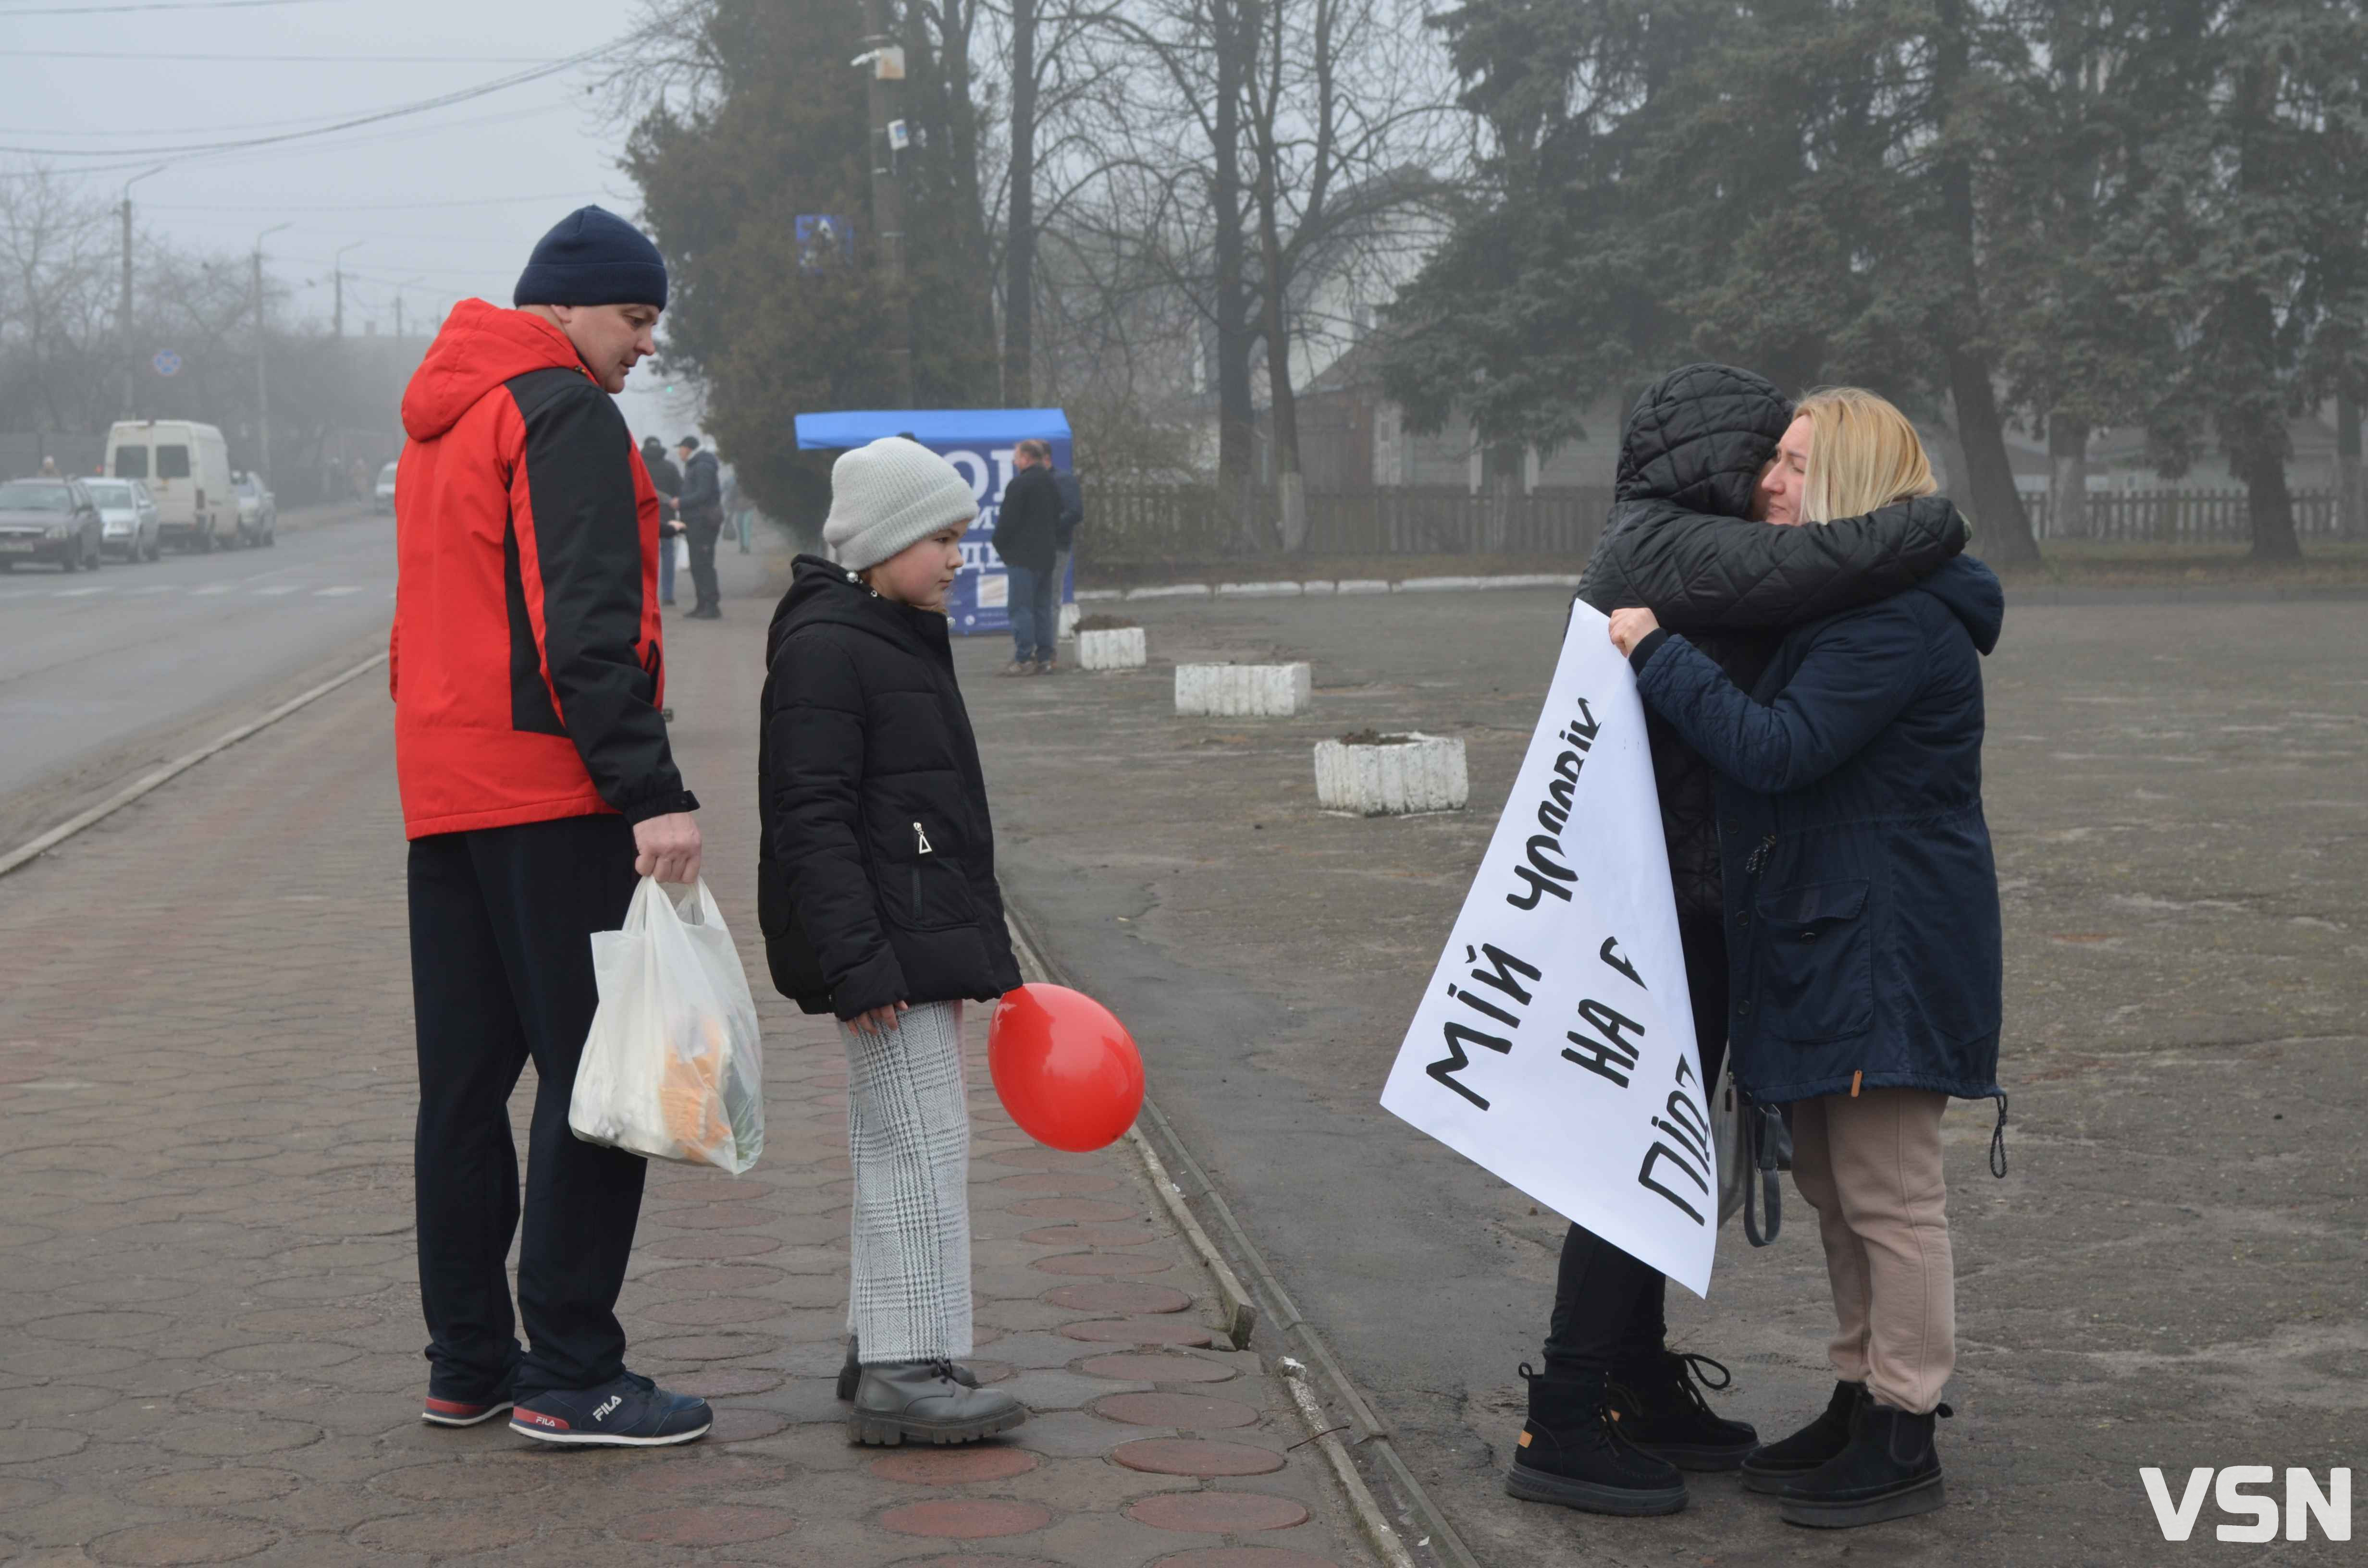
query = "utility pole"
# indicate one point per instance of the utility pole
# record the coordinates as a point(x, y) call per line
point(262, 388)
point(1019, 235)
point(123, 311)
point(337, 264)
point(886, 58)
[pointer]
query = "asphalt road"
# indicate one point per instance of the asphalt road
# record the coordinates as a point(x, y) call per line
point(102, 674)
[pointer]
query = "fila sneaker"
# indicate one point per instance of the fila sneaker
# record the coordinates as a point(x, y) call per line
point(438, 1411)
point(631, 1411)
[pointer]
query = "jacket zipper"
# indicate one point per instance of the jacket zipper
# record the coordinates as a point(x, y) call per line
point(1751, 870)
point(920, 847)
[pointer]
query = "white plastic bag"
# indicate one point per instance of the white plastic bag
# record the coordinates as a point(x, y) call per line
point(673, 1068)
point(681, 553)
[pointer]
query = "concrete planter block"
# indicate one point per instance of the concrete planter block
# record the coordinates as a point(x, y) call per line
point(1402, 773)
point(1118, 648)
point(1069, 617)
point(1242, 691)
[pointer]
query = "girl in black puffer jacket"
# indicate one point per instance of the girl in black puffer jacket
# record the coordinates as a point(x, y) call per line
point(876, 891)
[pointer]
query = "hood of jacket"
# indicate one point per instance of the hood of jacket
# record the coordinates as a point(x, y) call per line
point(823, 591)
point(481, 346)
point(1699, 438)
point(1973, 595)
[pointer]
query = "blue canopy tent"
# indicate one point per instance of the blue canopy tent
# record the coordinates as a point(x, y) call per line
point(979, 442)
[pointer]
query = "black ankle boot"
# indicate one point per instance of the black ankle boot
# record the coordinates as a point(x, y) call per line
point(1572, 1452)
point(1889, 1470)
point(1773, 1467)
point(1663, 1412)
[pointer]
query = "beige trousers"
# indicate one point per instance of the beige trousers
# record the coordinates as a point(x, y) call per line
point(1871, 1167)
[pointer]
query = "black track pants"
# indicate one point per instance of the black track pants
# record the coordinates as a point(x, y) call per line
point(501, 971)
point(1608, 1307)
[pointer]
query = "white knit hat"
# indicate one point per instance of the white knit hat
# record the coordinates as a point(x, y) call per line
point(890, 494)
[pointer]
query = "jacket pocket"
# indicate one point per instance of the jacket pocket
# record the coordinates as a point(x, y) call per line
point(1817, 981)
point(923, 884)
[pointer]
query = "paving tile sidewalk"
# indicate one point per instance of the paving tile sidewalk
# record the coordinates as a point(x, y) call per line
point(207, 1274)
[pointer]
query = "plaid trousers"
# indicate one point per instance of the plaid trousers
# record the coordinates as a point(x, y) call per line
point(908, 1141)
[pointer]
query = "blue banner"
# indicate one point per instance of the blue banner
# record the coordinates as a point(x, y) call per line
point(980, 443)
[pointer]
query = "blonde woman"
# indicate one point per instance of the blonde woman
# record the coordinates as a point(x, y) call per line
point(1862, 929)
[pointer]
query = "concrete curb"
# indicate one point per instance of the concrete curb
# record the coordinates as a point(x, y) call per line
point(1323, 588)
point(1274, 1304)
point(34, 848)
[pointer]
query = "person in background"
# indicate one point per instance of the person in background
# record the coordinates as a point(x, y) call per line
point(702, 520)
point(1072, 512)
point(1862, 911)
point(877, 896)
point(667, 479)
point(1027, 533)
point(735, 506)
point(538, 788)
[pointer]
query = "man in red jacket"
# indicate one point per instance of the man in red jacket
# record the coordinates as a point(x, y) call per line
point(536, 788)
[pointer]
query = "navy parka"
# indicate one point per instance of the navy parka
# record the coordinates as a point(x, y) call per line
point(1861, 899)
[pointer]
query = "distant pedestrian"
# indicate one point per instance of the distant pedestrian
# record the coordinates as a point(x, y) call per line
point(1072, 512)
point(49, 468)
point(537, 787)
point(702, 521)
point(1027, 536)
point(735, 506)
point(877, 894)
point(667, 480)
point(1862, 912)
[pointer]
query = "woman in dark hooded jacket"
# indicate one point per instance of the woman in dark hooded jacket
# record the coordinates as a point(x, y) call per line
point(1863, 940)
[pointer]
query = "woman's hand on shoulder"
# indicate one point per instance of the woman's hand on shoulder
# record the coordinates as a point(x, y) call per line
point(1629, 627)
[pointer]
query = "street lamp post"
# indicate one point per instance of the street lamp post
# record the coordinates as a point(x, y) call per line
point(262, 387)
point(337, 263)
point(123, 312)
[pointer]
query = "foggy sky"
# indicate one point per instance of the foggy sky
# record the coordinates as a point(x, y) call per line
point(446, 203)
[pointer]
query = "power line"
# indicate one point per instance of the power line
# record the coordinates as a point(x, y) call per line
point(374, 206)
point(424, 106)
point(179, 57)
point(156, 5)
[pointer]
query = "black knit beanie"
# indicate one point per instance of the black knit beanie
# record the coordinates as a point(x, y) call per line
point(593, 257)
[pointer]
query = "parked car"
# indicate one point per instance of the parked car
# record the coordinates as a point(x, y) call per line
point(386, 488)
point(258, 513)
point(49, 519)
point(127, 515)
point(187, 467)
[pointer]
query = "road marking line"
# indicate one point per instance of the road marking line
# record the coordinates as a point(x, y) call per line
point(75, 592)
point(159, 588)
point(282, 588)
point(33, 848)
point(211, 588)
point(333, 593)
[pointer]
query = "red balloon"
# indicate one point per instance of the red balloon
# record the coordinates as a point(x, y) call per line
point(1064, 1068)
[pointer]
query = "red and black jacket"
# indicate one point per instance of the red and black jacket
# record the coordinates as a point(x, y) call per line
point(526, 661)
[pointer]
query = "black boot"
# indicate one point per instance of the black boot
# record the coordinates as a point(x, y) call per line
point(1890, 1469)
point(1572, 1453)
point(1773, 1467)
point(1663, 1412)
point(850, 1372)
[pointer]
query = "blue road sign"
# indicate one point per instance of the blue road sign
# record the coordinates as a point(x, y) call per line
point(167, 363)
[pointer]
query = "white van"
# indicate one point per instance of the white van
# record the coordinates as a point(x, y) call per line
point(187, 469)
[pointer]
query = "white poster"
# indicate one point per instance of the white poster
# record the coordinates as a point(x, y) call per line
point(1556, 1045)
